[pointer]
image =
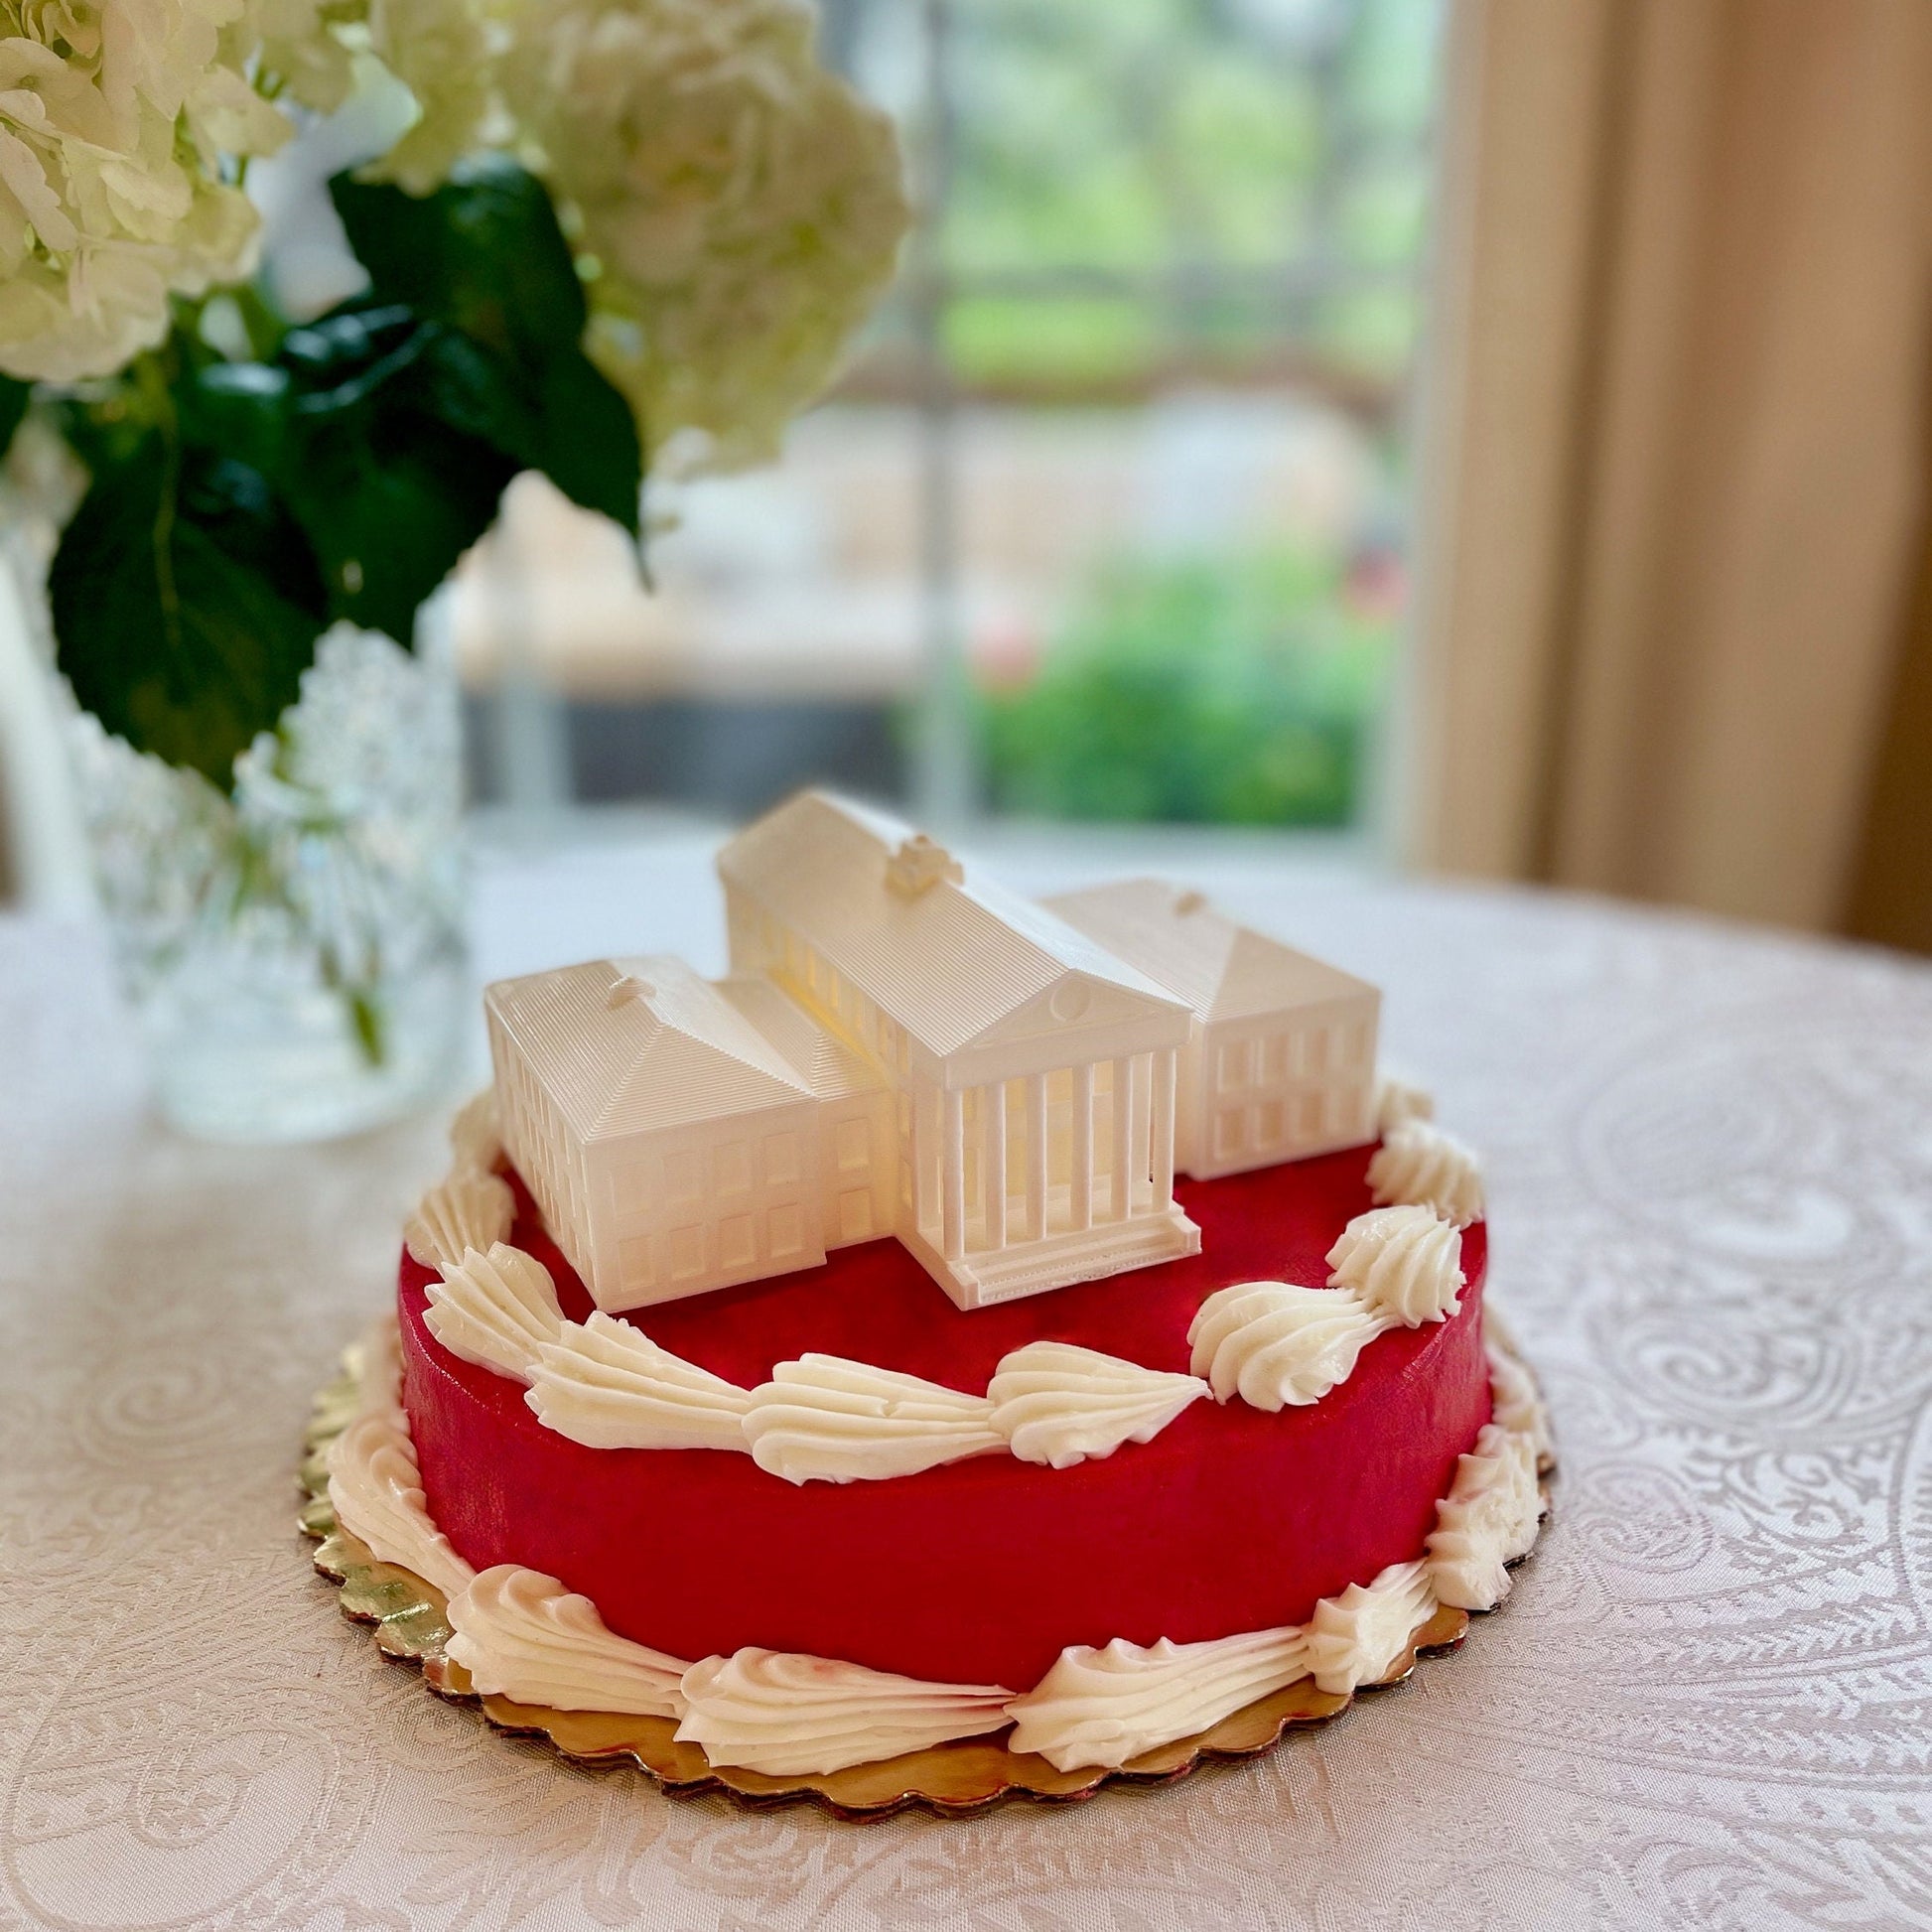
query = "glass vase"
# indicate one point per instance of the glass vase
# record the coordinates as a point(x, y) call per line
point(296, 952)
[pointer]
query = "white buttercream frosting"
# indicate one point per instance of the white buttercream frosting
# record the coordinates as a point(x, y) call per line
point(1486, 1521)
point(790, 1716)
point(828, 1419)
point(1106, 1707)
point(1419, 1164)
point(1398, 1100)
point(521, 1634)
point(1276, 1344)
point(497, 1309)
point(1406, 1263)
point(470, 1210)
point(378, 1366)
point(475, 1137)
point(1515, 1404)
point(604, 1383)
point(377, 1492)
point(1355, 1638)
point(1058, 1403)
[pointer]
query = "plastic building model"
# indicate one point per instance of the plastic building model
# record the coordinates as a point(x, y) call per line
point(1280, 1061)
point(904, 1047)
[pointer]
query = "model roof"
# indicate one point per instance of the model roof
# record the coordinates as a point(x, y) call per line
point(829, 1067)
point(632, 1044)
point(945, 952)
point(1223, 970)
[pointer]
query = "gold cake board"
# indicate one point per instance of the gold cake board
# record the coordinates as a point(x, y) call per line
point(410, 1625)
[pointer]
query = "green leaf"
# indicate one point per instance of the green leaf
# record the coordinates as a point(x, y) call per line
point(240, 409)
point(390, 463)
point(484, 256)
point(106, 428)
point(483, 253)
point(14, 399)
point(586, 441)
point(185, 605)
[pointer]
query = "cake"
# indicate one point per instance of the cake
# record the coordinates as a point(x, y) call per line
point(1038, 1328)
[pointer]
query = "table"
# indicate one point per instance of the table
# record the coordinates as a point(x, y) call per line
point(1709, 1154)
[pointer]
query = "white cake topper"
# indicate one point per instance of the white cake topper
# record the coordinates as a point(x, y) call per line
point(904, 1048)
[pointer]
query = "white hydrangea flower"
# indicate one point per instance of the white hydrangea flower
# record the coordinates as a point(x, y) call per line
point(296, 41)
point(117, 118)
point(742, 206)
point(105, 208)
point(439, 51)
point(48, 334)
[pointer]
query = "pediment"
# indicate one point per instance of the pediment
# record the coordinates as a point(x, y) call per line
point(1077, 1003)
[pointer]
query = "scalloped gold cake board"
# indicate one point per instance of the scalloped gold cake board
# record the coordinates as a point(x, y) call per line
point(411, 1625)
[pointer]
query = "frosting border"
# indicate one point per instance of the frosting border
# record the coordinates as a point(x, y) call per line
point(951, 1779)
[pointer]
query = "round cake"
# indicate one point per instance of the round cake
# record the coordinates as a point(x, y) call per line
point(984, 1570)
point(967, 1321)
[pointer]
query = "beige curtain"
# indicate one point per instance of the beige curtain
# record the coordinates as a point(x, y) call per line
point(1673, 443)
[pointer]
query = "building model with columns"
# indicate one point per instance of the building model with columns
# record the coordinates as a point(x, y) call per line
point(903, 1048)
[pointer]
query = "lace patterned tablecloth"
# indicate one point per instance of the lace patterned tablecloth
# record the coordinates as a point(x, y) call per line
point(1709, 1701)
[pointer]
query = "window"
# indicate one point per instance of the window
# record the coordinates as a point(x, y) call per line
point(731, 1168)
point(855, 1214)
point(786, 1227)
point(1231, 1066)
point(1120, 468)
point(687, 1253)
point(736, 1248)
point(853, 1142)
point(781, 1159)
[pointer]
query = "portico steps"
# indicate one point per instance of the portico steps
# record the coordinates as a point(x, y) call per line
point(977, 1280)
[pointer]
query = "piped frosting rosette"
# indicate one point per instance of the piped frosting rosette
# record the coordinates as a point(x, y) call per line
point(1279, 1345)
point(1418, 1164)
point(522, 1635)
point(789, 1715)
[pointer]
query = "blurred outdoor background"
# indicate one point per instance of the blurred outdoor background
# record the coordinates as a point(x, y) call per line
point(1108, 517)
point(1478, 436)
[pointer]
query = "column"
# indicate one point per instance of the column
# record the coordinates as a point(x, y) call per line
point(1162, 1150)
point(993, 1162)
point(1123, 1139)
point(1082, 1147)
point(1035, 1156)
point(952, 1173)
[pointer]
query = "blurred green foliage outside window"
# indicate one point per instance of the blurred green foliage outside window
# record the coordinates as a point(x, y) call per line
point(1157, 196)
point(1214, 691)
point(1145, 185)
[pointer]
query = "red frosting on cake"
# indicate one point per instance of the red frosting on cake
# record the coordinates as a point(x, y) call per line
point(982, 1571)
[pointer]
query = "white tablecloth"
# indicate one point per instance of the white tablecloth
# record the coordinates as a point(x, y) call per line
point(1709, 1155)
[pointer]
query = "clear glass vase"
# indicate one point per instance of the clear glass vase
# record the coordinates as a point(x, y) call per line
point(296, 953)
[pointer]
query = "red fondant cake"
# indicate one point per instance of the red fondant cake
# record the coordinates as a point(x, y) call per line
point(968, 1318)
point(1231, 1519)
